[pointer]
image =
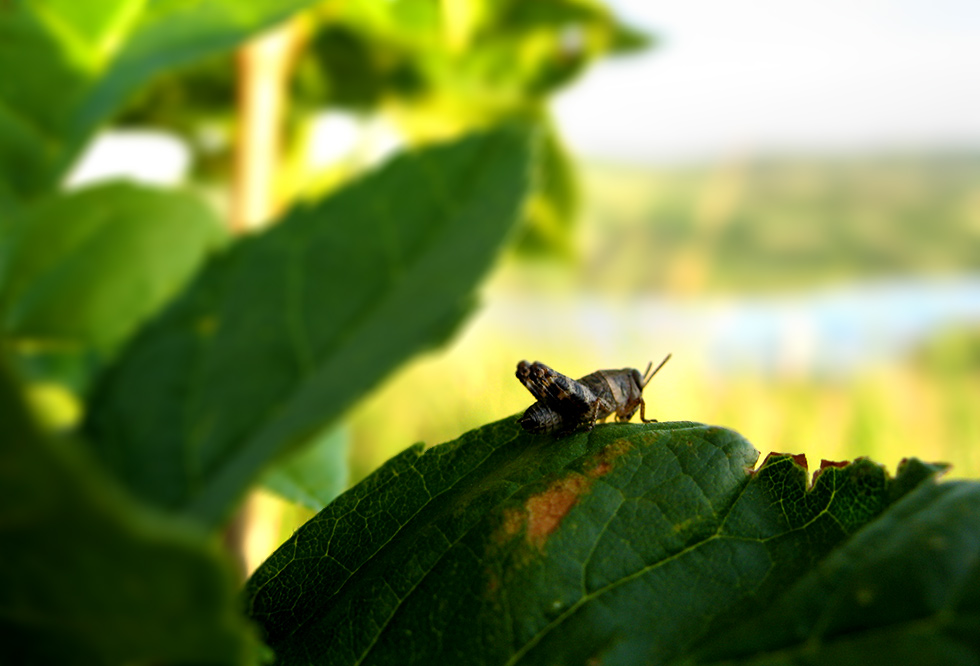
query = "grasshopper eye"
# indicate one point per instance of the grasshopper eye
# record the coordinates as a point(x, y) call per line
point(637, 378)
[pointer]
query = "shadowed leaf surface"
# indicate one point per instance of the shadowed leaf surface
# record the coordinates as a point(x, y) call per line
point(287, 329)
point(86, 577)
point(632, 544)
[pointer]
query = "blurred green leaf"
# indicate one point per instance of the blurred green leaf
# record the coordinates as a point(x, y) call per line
point(344, 69)
point(444, 65)
point(315, 475)
point(417, 23)
point(90, 266)
point(34, 100)
point(632, 544)
point(288, 329)
point(170, 33)
point(554, 205)
point(85, 58)
point(627, 39)
point(88, 577)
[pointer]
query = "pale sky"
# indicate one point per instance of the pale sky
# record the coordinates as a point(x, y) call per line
point(732, 77)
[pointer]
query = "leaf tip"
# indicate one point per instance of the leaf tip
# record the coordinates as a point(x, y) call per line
point(799, 459)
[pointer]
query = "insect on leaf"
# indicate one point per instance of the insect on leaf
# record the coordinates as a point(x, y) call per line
point(631, 544)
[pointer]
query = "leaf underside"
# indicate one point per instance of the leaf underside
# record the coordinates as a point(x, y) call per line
point(632, 544)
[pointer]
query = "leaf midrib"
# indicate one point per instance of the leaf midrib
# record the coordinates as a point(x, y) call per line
point(478, 165)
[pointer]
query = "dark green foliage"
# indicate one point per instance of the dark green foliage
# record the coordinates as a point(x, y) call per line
point(904, 590)
point(628, 545)
point(346, 69)
point(89, 577)
point(286, 330)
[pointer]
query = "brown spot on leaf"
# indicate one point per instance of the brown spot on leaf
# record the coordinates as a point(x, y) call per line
point(547, 509)
point(601, 469)
point(493, 583)
point(606, 457)
point(510, 525)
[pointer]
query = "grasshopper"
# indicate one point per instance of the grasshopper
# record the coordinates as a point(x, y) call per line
point(565, 405)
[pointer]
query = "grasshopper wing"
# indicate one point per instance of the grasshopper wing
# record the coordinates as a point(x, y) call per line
point(560, 392)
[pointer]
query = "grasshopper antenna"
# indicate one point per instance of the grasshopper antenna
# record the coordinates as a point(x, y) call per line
point(647, 378)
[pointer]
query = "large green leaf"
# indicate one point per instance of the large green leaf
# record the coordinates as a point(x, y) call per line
point(905, 590)
point(552, 209)
point(630, 545)
point(86, 577)
point(286, 330)
point(88, 267)
point(69, 65)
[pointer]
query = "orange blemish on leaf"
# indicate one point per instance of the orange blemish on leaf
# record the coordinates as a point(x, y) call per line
point(493, 584)
point(510, 526)
point(606, 457)
point(513, 521)
point(603, 468)
point(546, 510)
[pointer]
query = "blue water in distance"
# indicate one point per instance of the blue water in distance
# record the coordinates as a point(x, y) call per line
point(833, 330)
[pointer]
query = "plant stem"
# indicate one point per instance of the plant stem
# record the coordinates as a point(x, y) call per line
point(264, 65)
